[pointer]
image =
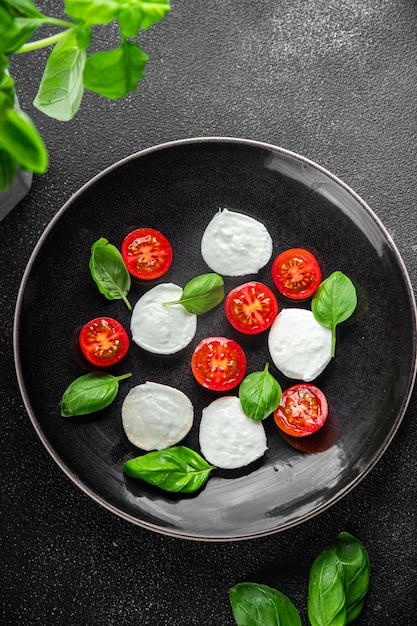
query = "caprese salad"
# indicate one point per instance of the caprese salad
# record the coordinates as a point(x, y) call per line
point(156, 417)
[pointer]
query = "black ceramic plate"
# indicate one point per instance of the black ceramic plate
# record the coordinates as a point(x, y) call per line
point(177, 188)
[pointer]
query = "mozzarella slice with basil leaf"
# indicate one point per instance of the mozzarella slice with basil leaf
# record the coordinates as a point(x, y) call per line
point(156, 416)
point(229, 439)
point(299, 346)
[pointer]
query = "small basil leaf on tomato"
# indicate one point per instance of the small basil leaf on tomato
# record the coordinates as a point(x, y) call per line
point(259, 394)
point(90, 393)
point(254, 604)
point(356, 567)
point(109, 271)
point(326, 605)
point(175, 469)
point(334, 302)
point(201, 294)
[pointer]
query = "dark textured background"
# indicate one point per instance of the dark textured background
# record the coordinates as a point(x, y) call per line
point(334, 81)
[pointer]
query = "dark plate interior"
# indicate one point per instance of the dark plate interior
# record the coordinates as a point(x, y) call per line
point(177, 188)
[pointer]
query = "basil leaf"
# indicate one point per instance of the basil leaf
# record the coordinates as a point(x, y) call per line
point(141, 14)
point(61, 88)
point(259, 605)
point(334, 302)
point(8, 169)
point(175, 469)
point(90, 393)
point(109, 271)
point(356, 566)
point(97, 12)
point(259, 394)
point(326, 591)
point(201, 294)
point(19, 137)
point(114, 73)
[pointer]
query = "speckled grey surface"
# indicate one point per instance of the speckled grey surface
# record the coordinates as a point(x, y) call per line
point(334, 81)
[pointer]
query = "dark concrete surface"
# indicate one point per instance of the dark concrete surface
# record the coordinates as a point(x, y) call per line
point(333, 81)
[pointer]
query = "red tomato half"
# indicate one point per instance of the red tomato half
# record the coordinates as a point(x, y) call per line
point(103, 341)
point(251, 307)
point(218, 363)
point(147, 253)
point(303, 410)
point(296, 273)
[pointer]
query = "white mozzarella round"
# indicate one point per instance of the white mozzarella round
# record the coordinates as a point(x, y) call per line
point(162, 329)
point(228, 438)
point(299, 346)
point(235, 244)
point(156, 416)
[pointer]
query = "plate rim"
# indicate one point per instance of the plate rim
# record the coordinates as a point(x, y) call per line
point(18, 361)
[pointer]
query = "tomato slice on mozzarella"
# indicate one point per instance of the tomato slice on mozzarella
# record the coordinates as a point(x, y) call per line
point(251, 308)
point(103, 341)
point(147, 253)
point(296, 273)
point(302, 410)
point(218, 363)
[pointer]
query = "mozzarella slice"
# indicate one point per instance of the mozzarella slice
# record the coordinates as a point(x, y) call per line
point(234, 244)
point(228, 438)
point(299, 346)
point(162, 329)
point(156, 416)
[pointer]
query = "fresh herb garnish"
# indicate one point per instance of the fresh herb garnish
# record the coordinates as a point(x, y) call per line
point(338, 583)
point(334, 302)
point(175, 469)
point(109, 271)
point(259, 394)
point(259, 605)
point(90, 393)
point(201, 294)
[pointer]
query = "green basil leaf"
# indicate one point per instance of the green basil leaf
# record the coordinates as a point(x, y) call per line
point(109, 271)
point(114, 73)
point(23, 8)
point(15, 31)
point(19, 137)
point(90, 393)
point(61, 88)
point(259, 394)
point(356, 566)
point(259, 605)
point(201, 294)
point(8, 169)
point(334, 302)
point(97, 12)
point(175, 469)
point(326, 591)
point(141, 14)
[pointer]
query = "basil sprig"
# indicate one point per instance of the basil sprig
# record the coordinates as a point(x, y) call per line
point(90, 393)
point(201, 294)
point(334, 302)
point(175, 469)
point(339, 581)
point(255, 605)
point(109, 271)
point(259, 394)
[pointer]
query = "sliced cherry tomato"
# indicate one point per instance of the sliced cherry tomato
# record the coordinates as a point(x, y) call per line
point(303, 410)
point(103, 341)
point(218, 363)
point(251, 307)
point(296, 273)
point(147, 253)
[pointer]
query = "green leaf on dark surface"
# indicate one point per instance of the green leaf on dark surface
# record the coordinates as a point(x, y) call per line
point(175, 469)
point(114, 73)
point(8, 168)
point(326, 591)
point(254, 604)
point(201, 294)
point(90, 393)
point(19, 137)
point(259, 394)
point(109, 271)
point(334, 302)
point(61, 88)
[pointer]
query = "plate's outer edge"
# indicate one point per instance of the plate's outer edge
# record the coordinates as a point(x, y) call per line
point(56, 218)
